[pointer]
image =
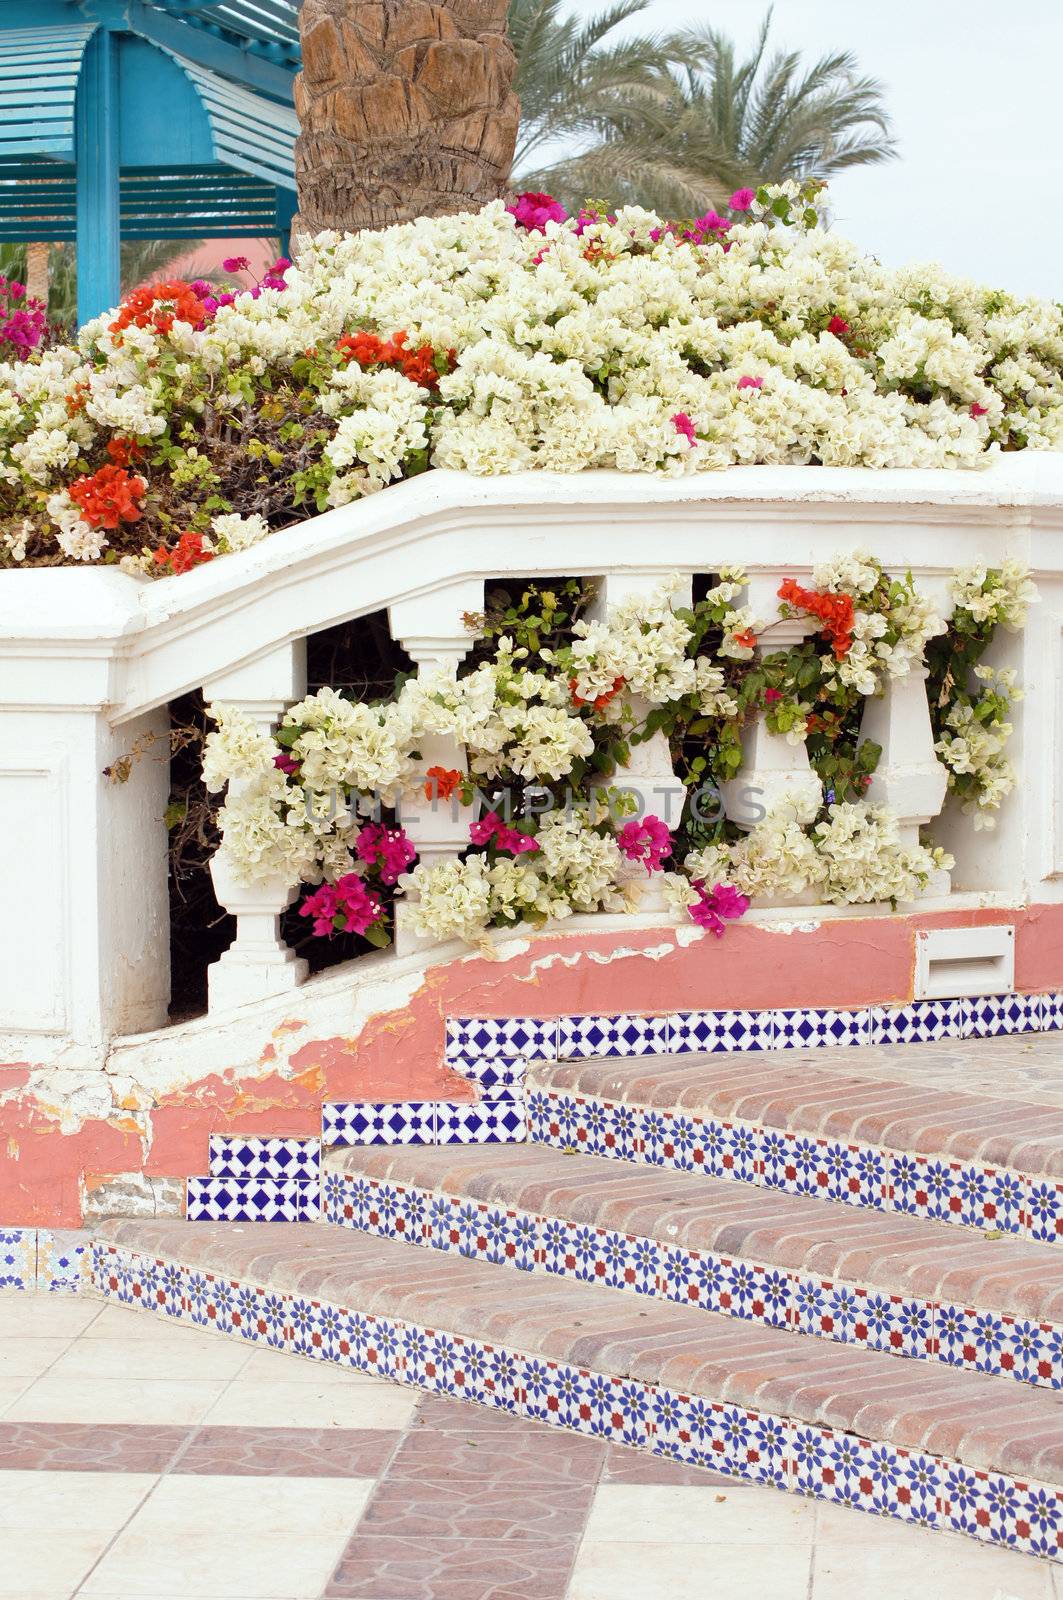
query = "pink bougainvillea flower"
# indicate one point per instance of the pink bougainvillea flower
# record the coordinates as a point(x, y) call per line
point(837, 325)
point(509, 840)
point(286, 763)
point(389, 849)
point(235, 264)
point(717, 905)
point(534, 210)
point(977, 410)
point(646, 839)
point(684, 425)
point(771, 696)
point(345, 906)
point(742, 199)
point(746, 382)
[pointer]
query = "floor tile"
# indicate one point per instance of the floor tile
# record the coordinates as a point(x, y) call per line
point(743, 1515)
point(54, 1525)
point(47, 1316)
point(278, 1366)
point(24, 1357)
point(145, 1360)
point(197, 1538)
point(640, 1570)
point(54, 1399)
point(302, 1405)
point(914, 1564)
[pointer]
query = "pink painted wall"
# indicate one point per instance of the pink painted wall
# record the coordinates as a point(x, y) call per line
point(399, 1053)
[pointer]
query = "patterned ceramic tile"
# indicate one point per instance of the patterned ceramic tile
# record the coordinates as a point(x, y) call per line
point(337, 1202)
point(922, 1186)
point(848, 1314)
point(395, 1122)
point(992, 1014)
point(805, 1029)
point(252, 1200)
point(1044, 1211)
point(391, 1211)
point(919, 1022)
point(60, 1255)
point(713, 1031)
point(18, 1258)
point(374, 1345)
point(623, 1035)
point(497, 1079)
point(470, 1039)
point(1002, 1510)
point(322, 1332)
point(797, 1163)
point(486, 1122)
point(731, 1288)
point(262, 1316)
point(233, 1156)
point(1051, 1008)
point(880, 1478)
point(570, 1397)
point(988, 1341)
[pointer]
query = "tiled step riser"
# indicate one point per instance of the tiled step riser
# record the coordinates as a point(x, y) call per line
point(796, 1457)
point(253, 1200)
point(845, 1313)
point(987, 1198)
point(240, 1156)
point(490, 1121)
point(474, 1043)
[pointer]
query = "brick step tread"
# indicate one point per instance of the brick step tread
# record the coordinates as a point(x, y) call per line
point(880, 1250)
point(960, 1415)
point(798, 1090)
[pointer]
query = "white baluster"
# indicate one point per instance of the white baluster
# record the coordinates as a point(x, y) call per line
point(774, 772)
point(909, 778)
point(431, 631)
point(258, 963)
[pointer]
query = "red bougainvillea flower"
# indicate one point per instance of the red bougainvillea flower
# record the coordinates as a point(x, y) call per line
point(837, 326)
point(188, 552)
point(441, 783)
point(159, 306)
point(108, 497)
point(370, 351)
point(286, 763)
point(684, 425)
point(123, 452)
point(646, 839)
point(772, 696)
point(600, 701)
point(977, 410)
point(534, 210)
point(834, 611)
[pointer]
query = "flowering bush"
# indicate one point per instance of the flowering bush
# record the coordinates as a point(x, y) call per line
point(508, 339)
point(554, 694)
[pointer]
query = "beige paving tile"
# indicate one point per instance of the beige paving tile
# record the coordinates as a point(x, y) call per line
point(65, 1521)
point(303, 1405)
point(747, 1514)
point(124, 1322)
point(200, 1538)
point(47, 1316)
point(55, 1399)
point(10, 1390)
point(145, 1359)
point(37, 1568)
point(914, 1564)
point(280, 1366)
point(650, 1571)
point(23, 1357)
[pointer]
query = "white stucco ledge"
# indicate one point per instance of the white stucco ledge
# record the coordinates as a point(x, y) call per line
point(137, 643)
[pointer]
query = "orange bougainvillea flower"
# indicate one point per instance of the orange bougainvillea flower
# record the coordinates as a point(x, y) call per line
point(370, 351)
point(747, 639)
point(600, 701)
point(109, 496)
point(441, 783)
point(834, 611)
point(159, 306)
point(123, 452)
point(188, 552)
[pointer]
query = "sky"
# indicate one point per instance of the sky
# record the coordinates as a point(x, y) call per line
point(975, 90)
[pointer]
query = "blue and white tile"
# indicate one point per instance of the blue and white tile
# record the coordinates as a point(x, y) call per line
point(992, 1014)
point(262, 1316)
point(337, 1202)
point(60, 1258)
point(605, 1128)
point(624, 1035)
point(1001, 1510)
point(993, 1198)
point(545, 1119)
point(687, 1428)
point(846, 1314)
point(557, 1393)
point(711, 1032)
point(484, 1122)
point(619, 1409)
point(504, 1379)
point(856, 1174)
point(212, 1301)
point(473, 1039)
point(807, 1029)
point(366, 1122)
point(756, 1445)
point(1051, 1010)
point(375, 1346)
point(496, 1079)
point(879, 1478)
point(18, 1258)
point(920, 1022)
point(237, 1156)
point(252, 1200)
point(988, 1341)
point(321, 1331)
point(1044, 1211)
point(923, 1186)
point(394, 1212)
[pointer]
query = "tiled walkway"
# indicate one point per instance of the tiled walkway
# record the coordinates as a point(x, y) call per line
point(139, 1459)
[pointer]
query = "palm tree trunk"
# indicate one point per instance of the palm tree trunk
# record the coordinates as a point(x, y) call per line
point(406, 110)
point(37, 274)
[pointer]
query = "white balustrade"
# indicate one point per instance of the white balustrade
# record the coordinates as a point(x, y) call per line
point(258, 963)
point(775, 772)
point(909, 778)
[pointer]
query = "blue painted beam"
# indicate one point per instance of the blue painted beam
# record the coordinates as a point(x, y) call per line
point(96, 158)
point(233, 60)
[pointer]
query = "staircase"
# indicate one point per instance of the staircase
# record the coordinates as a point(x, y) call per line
point(835, 1273)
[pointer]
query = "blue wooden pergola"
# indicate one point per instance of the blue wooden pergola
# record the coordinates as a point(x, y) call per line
point(145, 119)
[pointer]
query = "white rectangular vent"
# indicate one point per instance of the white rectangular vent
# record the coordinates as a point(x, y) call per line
point(964, 961)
